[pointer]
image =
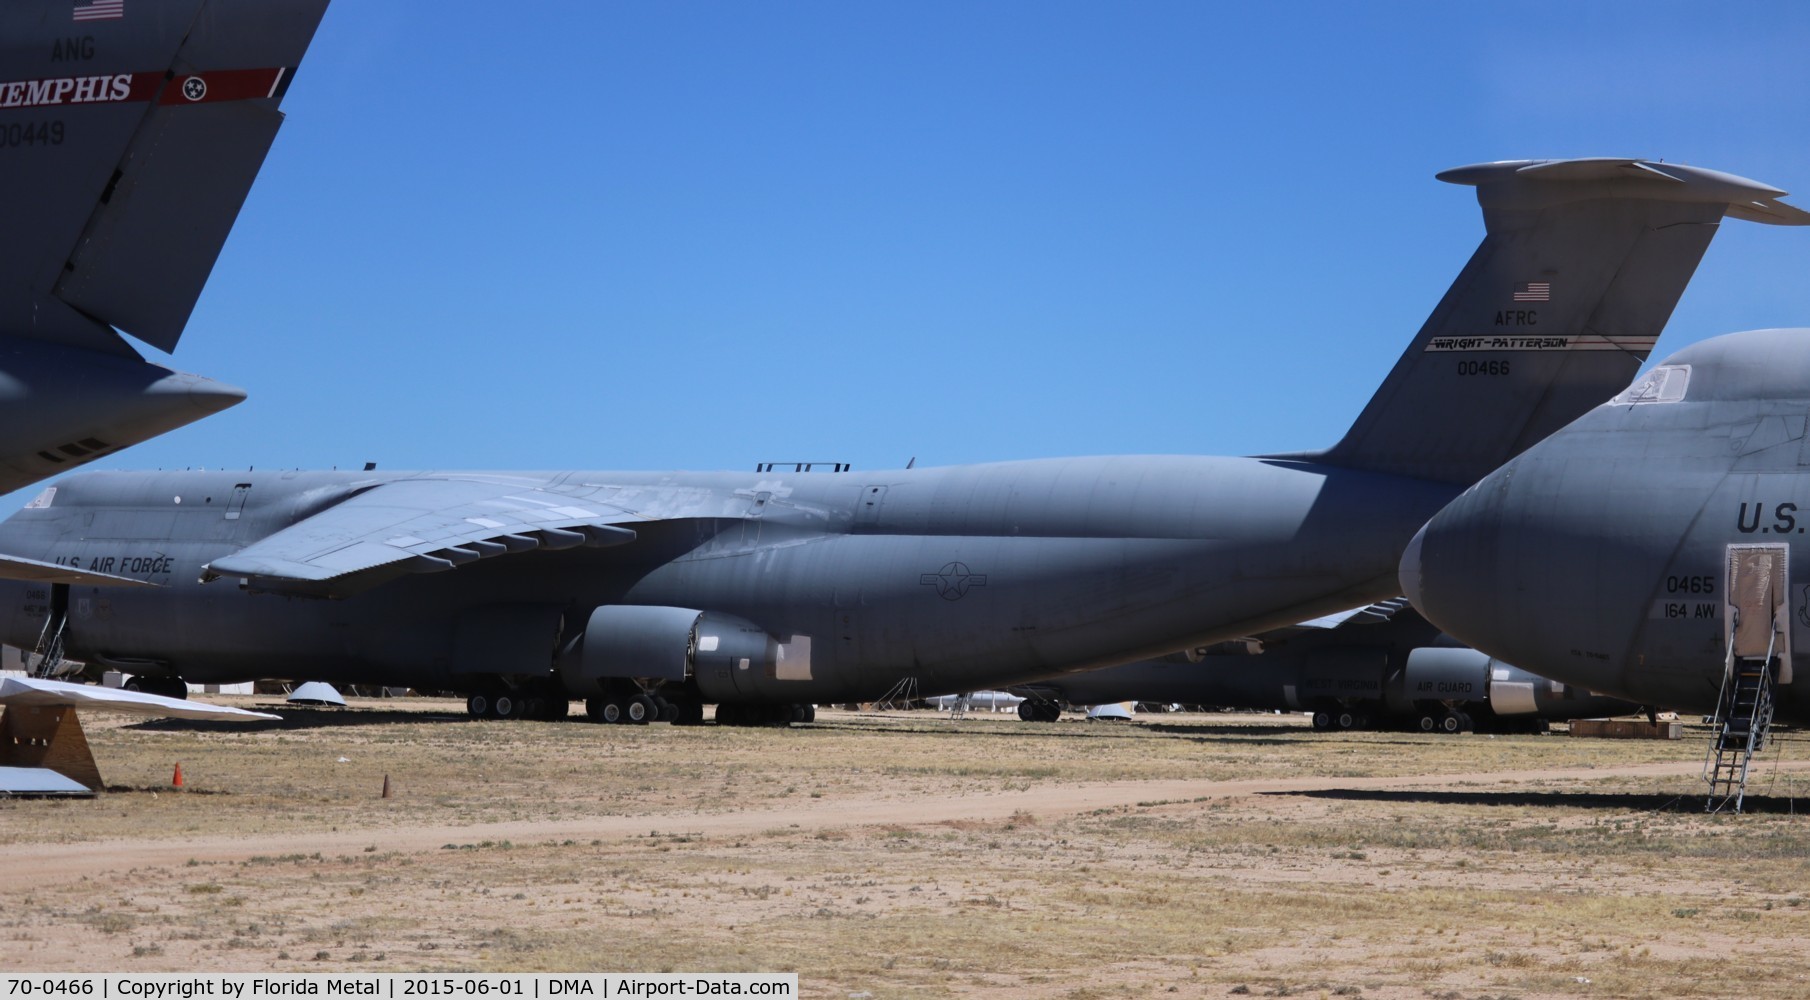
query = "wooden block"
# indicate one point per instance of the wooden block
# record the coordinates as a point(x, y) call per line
point(1627, 729)
point(47, 736)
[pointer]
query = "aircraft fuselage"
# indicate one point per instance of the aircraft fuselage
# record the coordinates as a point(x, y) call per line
point(959, 577)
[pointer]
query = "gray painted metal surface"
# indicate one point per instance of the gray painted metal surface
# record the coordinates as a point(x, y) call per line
point(812, 586)
point(1601, 556)
point(1392, 669)
point(131, 138)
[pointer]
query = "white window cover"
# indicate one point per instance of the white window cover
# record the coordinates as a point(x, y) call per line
point(1665, 384)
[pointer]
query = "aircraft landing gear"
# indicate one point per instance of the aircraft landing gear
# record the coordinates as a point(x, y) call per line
point(642, 708)
point(1034, 710)
point(1445, 722)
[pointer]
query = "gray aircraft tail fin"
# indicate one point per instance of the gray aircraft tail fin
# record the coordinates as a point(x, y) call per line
point(130, 134)
point(1582, 265)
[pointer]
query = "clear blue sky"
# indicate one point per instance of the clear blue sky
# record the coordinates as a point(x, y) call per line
point(702, 235)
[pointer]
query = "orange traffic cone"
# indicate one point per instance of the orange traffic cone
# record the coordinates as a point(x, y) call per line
point(176, 779)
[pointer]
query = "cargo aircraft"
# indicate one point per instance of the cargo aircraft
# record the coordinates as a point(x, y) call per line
point(1640, 549)
point(651, 594)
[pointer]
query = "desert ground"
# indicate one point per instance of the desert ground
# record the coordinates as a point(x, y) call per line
point(908, 853)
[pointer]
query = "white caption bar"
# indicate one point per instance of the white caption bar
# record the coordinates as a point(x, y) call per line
point(394, 985)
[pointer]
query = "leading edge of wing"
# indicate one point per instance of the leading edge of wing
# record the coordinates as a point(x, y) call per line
point(38, 571)
point(425, 525)
point(45, 693)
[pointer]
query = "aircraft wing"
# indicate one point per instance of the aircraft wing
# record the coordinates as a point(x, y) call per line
point(32, 691)
point(423, 525)
point(21, 568)
point(1369, 614)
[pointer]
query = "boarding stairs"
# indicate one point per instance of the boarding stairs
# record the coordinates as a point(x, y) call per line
point(1742, 722)
point(1757, 637)
point(50, 646)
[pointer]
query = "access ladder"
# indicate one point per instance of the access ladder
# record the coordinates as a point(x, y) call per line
point(50, 646)
point(1742, 722)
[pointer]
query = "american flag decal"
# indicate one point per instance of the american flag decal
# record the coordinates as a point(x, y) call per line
point(98, 10)
point(1534, 291)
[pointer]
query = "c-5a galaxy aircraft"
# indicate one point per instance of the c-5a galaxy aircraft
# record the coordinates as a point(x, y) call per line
point(1655, 546)
point(129, 137)
point(1381, 666)
point(651, 594)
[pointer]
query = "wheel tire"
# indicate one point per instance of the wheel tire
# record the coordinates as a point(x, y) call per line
point(1322, 720)
point(795, 714)
point(1027, 711)
point(134, 685)
point(1345, 720)
point(612, 711)
point(477, 706)
point(1428, 723)
point(1450, 723)
point(810, 713)
point(641, 710)
point(534, 707)
point(669, 712)
point(1465, 722)
point(506, 706)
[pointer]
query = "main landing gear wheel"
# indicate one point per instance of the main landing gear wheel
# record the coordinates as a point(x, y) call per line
point(477, 706)
point(641, 710)
point(1322, 719)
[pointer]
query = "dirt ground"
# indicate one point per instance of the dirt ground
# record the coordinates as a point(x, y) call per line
point(912, 854)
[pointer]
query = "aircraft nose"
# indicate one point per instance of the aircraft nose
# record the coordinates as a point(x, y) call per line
point(1408, 573)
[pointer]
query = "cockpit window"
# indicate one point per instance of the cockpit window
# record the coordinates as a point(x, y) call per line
point(43, 499)
point(1665, 384)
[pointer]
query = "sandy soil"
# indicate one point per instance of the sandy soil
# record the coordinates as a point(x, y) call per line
point(915, 855)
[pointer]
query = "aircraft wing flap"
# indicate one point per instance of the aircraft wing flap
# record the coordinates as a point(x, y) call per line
point(1369, 614)
point(426, 525)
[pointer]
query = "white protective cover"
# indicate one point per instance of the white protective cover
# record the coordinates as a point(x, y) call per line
point(31, 691)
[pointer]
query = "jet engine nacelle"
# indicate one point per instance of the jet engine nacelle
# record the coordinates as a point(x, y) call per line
point(1461, 675)
point(675, 645)
point(1449, 674)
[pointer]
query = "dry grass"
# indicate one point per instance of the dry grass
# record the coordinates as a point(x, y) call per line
point(916, 855)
